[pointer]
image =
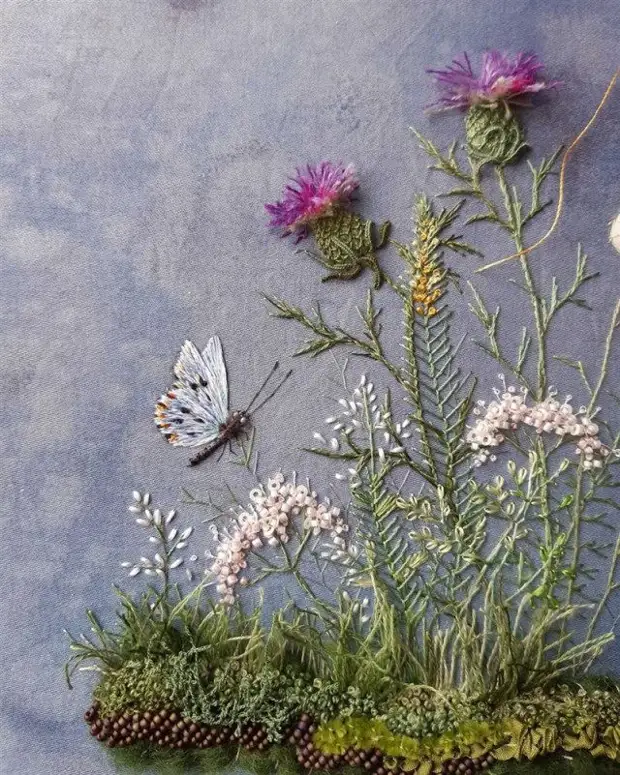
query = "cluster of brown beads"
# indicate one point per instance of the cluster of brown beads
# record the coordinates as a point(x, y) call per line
point(370, 761)
point(467, 766)
point(300, 735)
point(253, 737)
point(165, 728)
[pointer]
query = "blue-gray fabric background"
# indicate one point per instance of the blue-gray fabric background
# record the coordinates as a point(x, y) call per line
point(140, 139)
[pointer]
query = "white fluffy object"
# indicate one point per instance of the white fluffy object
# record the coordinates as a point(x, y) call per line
point(614, 233)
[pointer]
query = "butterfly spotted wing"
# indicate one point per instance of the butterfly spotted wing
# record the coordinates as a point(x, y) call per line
point(191, 412)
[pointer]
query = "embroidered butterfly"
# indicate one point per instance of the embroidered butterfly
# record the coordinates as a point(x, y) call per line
point(194, 412)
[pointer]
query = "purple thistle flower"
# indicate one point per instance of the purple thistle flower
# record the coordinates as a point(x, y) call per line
point(313, 193)
point(502, 79)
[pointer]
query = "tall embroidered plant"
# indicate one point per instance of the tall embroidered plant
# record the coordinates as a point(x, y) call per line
point(491, 577)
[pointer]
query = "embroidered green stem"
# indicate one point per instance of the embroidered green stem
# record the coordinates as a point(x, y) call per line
point(578, 505)
point(514, 224)
point(615, 321)
point(611, 587)
point(413, 384)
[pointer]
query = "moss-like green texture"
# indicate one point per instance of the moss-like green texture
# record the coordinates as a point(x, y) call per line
point(418, 726)
point(564, 718)
point(280, 761)
point(559, 764)
point(229, 696)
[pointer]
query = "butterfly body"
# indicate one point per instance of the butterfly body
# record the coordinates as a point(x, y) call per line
point(235, 425)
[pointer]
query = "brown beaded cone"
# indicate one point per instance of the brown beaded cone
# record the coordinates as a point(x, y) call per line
point(92, 714)
point(466, 765)
point(253, 737)
point(371, 761)
point(310, 758)
point(165, 728)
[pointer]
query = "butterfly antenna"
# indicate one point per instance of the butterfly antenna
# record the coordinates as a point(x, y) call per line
point(274, 391)
point(260, 389)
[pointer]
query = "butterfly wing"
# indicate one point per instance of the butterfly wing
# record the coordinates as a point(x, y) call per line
point(213, 358)
point(191, 413)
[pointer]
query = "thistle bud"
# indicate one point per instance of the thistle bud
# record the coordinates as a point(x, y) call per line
point(494, 135)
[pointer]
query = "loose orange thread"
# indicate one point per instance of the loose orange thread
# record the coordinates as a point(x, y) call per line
point(565, 159)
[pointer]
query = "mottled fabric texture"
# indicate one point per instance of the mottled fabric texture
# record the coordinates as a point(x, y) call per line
point(140, 139)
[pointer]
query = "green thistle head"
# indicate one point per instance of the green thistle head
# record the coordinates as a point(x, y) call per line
point(494, 135)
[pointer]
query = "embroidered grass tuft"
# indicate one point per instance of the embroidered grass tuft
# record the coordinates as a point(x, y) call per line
point(140, 758)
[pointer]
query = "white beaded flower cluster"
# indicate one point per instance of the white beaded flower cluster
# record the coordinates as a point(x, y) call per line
point(359, 413)
point(267, 521)
point(168, 540)
point(510, 410)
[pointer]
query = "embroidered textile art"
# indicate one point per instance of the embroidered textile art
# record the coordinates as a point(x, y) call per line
point(441, 618)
